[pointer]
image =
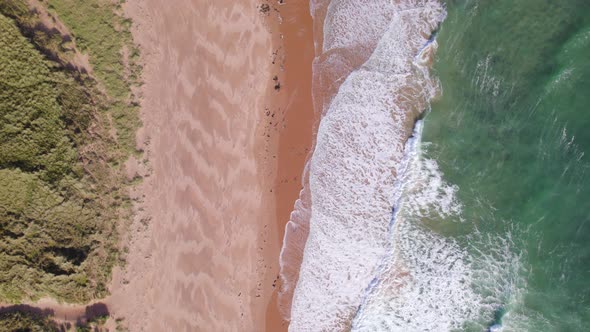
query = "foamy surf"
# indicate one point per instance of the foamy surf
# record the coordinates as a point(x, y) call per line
point(361, 140)
point(376, 206)
point(424, 283)
point(429, 282)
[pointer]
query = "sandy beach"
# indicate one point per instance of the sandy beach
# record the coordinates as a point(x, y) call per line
point(293, 165)
point(295, 134)
point(227, 127)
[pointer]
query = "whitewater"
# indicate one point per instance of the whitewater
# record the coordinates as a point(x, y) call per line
point(378, 240)
point(363, 157)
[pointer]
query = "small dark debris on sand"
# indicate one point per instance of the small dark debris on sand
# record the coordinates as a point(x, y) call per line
point(264, 8)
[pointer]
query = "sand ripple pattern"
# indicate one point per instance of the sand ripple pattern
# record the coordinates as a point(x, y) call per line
point(204, 194)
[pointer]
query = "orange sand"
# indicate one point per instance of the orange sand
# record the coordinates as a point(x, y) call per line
point(326, 79)
point(292, 118)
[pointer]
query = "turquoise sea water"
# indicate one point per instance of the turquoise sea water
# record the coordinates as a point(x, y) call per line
point(512, 132)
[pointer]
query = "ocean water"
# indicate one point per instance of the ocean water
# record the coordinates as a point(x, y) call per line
point(451, 198)
point(511, 133)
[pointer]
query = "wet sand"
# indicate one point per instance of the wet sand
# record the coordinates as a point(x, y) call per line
point(329, 72)
point(221, 172)
point(293, 34)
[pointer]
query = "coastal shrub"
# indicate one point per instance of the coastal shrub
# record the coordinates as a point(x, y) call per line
point(46, 239)
point(17, 321)
point(104, 36)
point(32, 133)
point(63, 195)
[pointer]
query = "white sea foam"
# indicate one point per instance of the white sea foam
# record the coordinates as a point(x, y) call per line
point(431, 283)
point(426, 286)
point(424, 283)
point(421, 188)
point(499, 276)
point(364, 267)
point(349, 24)
point(425, 280)
point(360, 145)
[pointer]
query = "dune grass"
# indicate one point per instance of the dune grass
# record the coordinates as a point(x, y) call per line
point(20, 321)
point(113, 56)
point(63, 194)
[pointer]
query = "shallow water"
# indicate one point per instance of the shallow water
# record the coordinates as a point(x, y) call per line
point(507, 142)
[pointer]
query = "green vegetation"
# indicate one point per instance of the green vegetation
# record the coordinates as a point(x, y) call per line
point(24, 322)
point(64, 134)
point(33, 134)
point(106, 38)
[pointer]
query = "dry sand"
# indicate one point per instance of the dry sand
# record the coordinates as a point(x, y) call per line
point(225, 152)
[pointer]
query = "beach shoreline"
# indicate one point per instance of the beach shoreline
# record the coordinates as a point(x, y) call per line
point(291, 117)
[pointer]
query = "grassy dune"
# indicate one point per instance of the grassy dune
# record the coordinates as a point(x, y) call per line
point(64, 135)
point(19, 321)
point(113, 56)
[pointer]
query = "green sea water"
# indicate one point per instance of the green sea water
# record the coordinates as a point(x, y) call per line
point(512, 132)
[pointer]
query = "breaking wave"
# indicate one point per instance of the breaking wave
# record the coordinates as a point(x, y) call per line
point(356, 254)
point(360, 144)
